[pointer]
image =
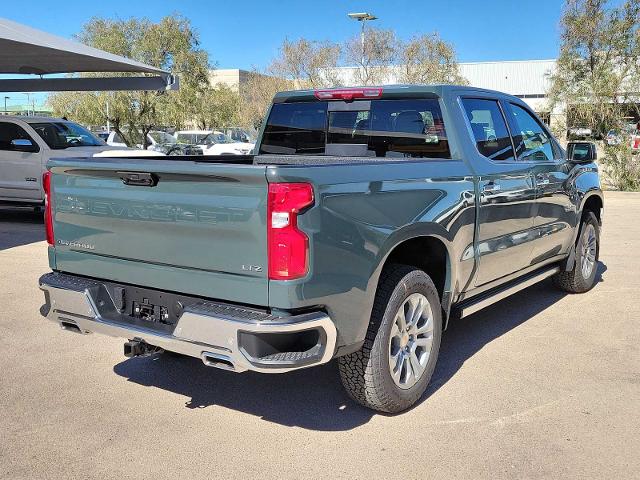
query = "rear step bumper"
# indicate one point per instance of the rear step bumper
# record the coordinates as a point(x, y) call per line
point(221, 335)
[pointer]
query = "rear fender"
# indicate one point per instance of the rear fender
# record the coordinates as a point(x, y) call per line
point(415, 231)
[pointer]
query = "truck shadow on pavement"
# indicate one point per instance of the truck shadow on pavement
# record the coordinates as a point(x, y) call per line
point(314, 398)
point(20, 227)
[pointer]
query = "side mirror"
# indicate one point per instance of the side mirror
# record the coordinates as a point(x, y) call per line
point(23, 145)
point(581, 152)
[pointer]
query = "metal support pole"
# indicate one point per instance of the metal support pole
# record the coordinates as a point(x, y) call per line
point(362, 40)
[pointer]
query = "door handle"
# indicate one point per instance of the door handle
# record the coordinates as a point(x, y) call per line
point(491, 187)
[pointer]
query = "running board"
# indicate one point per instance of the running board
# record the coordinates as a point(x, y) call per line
point(475, 304)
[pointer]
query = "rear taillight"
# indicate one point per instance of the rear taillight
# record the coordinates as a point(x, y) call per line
point(48, 216)
point(348, 93)
point(288, 247)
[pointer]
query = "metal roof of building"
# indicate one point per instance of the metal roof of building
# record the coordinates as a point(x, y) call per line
point(523, 77)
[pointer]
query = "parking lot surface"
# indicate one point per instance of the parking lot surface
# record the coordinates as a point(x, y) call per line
point(541, 385)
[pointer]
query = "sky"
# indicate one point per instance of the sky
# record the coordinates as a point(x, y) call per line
point(247, 33)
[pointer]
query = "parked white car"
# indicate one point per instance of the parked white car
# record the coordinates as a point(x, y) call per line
point(214, 142)
point(26, 145)
point(159, 141)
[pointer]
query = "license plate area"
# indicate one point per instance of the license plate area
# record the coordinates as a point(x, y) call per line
point(141, 307)
point(149, 312)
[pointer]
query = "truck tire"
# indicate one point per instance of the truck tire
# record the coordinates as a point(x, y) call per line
point(582, 277)
point(393, 368)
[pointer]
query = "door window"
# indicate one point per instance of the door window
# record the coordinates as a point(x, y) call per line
point(489, 128)
point(10, 132)
point(533, 143)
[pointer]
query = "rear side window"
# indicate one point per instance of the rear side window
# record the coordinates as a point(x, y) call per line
point(489, 128)
point(376, 128)
point(533, 143)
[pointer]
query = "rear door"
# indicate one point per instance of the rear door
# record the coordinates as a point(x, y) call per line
point(507, 193)
point(20, 170)
point(556, 213)
point(184, 226)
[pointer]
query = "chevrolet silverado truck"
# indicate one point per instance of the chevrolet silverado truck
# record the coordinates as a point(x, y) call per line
point(365, 221)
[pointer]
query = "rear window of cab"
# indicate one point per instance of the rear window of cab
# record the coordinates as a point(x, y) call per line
point(411, 128)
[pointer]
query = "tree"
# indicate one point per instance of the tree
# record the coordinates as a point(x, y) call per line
point(221, 108)
point(429, 59)
point(170, 44)
point(375, 58)
point(309, 63)
point(598, 72)
point(598, 67)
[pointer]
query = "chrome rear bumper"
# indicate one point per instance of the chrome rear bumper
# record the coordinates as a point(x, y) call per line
point(218, 334)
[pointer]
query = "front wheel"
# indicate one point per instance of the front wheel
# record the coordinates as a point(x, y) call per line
point(582, 277)
point(393, 368)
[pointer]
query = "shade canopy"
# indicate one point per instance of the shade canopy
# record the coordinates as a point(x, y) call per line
point(25, 50)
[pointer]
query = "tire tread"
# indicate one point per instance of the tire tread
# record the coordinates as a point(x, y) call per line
point(357, 370)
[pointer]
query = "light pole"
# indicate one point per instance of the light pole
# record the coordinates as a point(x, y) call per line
point(362, 17)
point(5, 104)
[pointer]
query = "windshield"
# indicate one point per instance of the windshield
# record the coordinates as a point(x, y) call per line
point(215, 138)
point(192, 138)
point(162, 137)
point(61, 135)
point(241, 135)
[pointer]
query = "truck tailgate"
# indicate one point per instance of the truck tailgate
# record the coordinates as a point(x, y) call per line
point(199, 229)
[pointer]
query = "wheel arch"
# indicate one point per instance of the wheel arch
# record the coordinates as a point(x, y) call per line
point(429, 251)
point(593, 202)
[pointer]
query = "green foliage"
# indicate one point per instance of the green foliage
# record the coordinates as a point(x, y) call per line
point(622, 168)
point(221, 108)
point(170, 44)
point(598, 73)
point(597, 78)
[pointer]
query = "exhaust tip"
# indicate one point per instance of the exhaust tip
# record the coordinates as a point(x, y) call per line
point(70, 326)
point(218, 361)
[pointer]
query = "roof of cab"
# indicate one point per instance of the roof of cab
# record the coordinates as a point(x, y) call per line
point(394, 90)
point(31, 119)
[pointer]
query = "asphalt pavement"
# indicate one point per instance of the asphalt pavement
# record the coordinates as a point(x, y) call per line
point(541, 385)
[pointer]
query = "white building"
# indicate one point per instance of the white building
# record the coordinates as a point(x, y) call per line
point(526, 79)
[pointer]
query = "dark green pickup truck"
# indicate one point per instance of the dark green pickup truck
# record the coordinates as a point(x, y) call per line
point(366, 220)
